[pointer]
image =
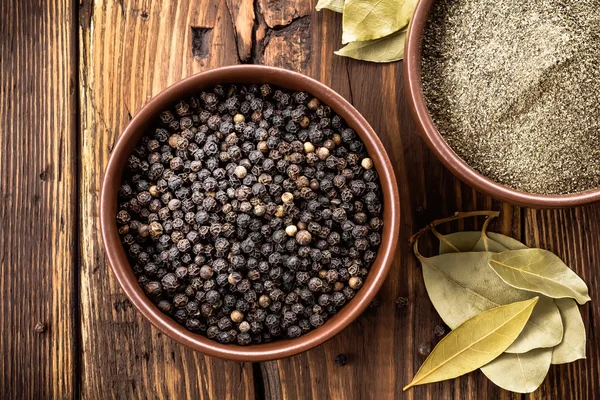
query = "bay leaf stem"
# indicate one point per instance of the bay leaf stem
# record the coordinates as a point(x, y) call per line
point(484, 236)
point(441, 238)
point(455, 217)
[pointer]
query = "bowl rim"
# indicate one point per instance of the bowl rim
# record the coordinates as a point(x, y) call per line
point(437, 144)
point(246, 74)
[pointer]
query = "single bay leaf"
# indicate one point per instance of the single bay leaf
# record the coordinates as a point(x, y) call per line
point(461, 285)
point(475, 343)
point(545, 328)
point(373, 19)
point(506, 241)
point(458, 242)
point(572, 346)
point(386, 49)
point(486, 244)
point(520, 373)
point(539, 271)
point(333, 5)
point(497, 243)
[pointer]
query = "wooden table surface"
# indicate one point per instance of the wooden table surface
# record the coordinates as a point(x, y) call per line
point(73, 73)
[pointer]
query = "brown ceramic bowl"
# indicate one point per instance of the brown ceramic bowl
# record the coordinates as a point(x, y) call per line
point(249, 75)
point(437, 144)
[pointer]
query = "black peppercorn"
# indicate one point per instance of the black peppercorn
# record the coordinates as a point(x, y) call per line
point(402, 302)
point(294, 331)
point(424, 349)
point(153, 289)
point(439, 330)
point(340, 360)
point(315, 284)
point(164, 306)
point(170, 282)
point(206, 309)
point(180, 300)
point(212, 297)
point(224, 337)
point(316, 320)
point(180, 315)
point(303, 238)
point(338, 299)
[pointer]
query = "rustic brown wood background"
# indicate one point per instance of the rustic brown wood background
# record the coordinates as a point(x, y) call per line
point(73, 73)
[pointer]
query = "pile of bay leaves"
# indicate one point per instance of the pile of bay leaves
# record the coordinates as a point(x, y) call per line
point(512, 309)
point(373, 30)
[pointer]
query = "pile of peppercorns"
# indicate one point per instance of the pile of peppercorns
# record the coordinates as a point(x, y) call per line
point(250, 213)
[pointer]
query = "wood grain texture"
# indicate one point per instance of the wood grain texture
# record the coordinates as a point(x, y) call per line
point(120, 53)
point(280, 13)
point(130, 51)
point(243, 19)
point(38, 251)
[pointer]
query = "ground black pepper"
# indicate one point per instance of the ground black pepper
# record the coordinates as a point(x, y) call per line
point(512, 86)
point(250, 214)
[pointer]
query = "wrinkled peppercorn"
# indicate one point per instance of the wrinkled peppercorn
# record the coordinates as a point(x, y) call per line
point(340, 360)
point(250, 213)
point(303, 238)
point(401, 302)
point(40, 327)
point(439, 330)
point(424, 349)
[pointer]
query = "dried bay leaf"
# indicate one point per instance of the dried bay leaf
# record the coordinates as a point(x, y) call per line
point(520, 373)
point(333, 5)
point(506, 241)
point(458, 242)
point(475, 343)
point(461, 285)
point(373, 19)
point(539, 271)
point(386, 49)
point(497, 243)
point(487, 244)
point(572, 346)
point(517, 369)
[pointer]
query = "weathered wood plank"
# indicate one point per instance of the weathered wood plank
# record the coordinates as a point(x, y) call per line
point(243, 19)
point(278, 13)
point(130, 51)
point(38, 251)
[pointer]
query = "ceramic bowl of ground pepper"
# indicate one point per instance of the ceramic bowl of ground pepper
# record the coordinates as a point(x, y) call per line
point(506, 96)
point(250, 212)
